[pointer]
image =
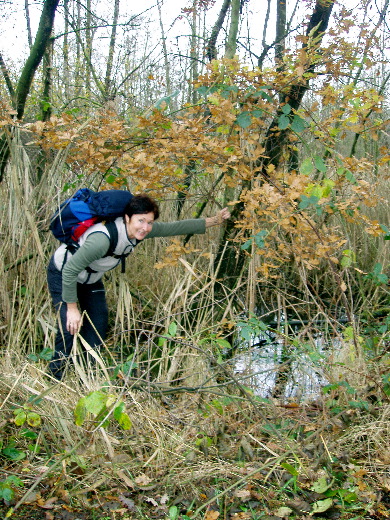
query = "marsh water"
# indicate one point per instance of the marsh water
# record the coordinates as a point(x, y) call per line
point(296, 371)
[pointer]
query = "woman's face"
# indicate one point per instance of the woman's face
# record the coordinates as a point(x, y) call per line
point(138, 226)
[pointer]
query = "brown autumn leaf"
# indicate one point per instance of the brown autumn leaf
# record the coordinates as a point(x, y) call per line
point(242, 493)
point(48, 504)
point(130, 504)
point(142, 480)
point(32, 497)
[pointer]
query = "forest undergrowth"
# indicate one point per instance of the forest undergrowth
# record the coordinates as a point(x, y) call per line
point(164, 423)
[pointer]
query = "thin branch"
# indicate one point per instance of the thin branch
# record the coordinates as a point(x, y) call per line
point(7, 78)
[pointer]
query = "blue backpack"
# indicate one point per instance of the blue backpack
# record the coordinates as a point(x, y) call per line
point(84, 209)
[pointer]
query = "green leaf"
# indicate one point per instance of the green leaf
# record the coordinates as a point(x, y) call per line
point(46, 354)
point(172, 329)
point(262, 325)
point(173, 513)
point(319, 164)
point(259, 238)
point(348, 496)
point(257, 113)
point(223, 129)
point(350, 177)
point(80, 412)
point(227, 89)
point(7, 494)
point(202, 91)
point(13, 454)
point(322, 505)
point(306, 167)
point(95, 402)
point(245, 331)
point(124, 421)
point(110, 400)
point(288, 467)
point(308, 201)
point(111, 178)
point(161, 342)
point(14, 481)
point(33, 419)
point(119, 410)
point(283, 122)
point(360, 405)
point(20, 417)
point(386, 383)
point(298, 124)
point(266, 96)
point(128, 366)
point(28, 434)
point(327, 187)
point(349, 257)
point(223, 343)
point(321, 485)
point(217, 405)
point(247, 244)
point(244, 119)
point(386, 230)
point(286, 109)
point(34, 448)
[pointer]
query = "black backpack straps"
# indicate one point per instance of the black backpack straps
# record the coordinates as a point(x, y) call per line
point(113, 233)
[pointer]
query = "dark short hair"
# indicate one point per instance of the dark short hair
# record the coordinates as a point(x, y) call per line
point(140, 204)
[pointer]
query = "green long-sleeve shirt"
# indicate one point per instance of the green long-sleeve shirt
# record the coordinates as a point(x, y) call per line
point(97, 245)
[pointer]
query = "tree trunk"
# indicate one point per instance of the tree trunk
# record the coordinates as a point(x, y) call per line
point(47, 83)
point(166, 61)
point(211, 49)
point(111, 52)
point(23, 86)
point(231, 43)
point(65, 52)
point(280, 32)
point(36, 54)
point(88, 47)
point(194, 54)
point(275, 141)
point(79, 71)
point(28, 23)
point(266, 47)
point(7, 78)
point(46, 106)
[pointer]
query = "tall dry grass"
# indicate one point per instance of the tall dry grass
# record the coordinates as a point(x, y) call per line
point(195, 418)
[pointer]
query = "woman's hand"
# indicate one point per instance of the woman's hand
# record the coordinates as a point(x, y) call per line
point(73, 318)
point(219, 218)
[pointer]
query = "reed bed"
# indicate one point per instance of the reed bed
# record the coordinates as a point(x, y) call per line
point(196, 421)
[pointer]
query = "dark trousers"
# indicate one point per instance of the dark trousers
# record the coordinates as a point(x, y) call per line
point(92, 301)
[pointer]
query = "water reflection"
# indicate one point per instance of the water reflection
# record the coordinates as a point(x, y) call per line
point(294, 372)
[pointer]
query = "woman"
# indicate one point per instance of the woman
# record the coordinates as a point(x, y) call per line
point(75, 279)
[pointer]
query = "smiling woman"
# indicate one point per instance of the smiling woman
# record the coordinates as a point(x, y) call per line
point(75, 276)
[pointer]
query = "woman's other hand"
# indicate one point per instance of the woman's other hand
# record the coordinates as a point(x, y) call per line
point(218, 219)
point(73, 318)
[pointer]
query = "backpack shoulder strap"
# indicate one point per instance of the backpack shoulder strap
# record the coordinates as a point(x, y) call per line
point(113, 233)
